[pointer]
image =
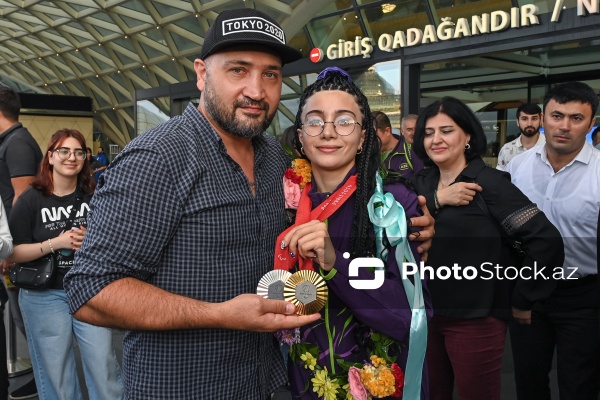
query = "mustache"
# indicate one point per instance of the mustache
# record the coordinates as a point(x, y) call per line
point(263, 105)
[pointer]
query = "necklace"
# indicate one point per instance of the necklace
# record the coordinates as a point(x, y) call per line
point(62, 194)
point(445, 185)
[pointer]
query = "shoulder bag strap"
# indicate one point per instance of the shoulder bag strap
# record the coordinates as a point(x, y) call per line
point(77, 200)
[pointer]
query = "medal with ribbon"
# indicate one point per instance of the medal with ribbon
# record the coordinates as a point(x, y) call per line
point(306, 288)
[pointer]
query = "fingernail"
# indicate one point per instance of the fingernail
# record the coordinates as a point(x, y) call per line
point(292, 254)
point(71, 243)
point(289, 308)
point(282, 244)
point(71, 236)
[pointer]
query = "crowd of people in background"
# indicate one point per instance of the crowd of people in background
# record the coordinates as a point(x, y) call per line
point(175, 260)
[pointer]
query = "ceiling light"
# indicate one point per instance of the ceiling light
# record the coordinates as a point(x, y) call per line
point(387, 8)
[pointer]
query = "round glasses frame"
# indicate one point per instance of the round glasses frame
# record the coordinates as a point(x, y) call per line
point(316, 130)
point(64, 153)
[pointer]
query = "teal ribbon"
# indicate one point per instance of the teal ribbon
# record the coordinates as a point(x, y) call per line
point(389, 219)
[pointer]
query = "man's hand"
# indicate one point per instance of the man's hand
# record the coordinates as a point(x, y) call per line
point(251, 312)
point(5, 267)
point(425, 235)
point(523, 317)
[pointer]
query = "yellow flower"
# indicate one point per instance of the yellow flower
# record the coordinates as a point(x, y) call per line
point(309, 361)
point(377, 361)
point(324, 386)
point(378, 378)
point(302, 168)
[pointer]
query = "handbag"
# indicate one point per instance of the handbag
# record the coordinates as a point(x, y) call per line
point(41, 273)
point(37, 274)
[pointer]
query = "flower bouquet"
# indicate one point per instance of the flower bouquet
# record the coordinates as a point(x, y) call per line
point(294, 180)
point(377, 377)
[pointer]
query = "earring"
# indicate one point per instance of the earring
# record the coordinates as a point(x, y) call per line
point(467, 146)
point(302, 150)
point(359, 151)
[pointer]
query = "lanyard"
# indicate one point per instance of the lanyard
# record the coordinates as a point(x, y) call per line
point(283, 259)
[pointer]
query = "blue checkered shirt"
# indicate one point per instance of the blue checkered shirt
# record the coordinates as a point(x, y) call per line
point(176, 211)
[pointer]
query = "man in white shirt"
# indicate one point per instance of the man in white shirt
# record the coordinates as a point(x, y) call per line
point(529, 119)
point(563, 178)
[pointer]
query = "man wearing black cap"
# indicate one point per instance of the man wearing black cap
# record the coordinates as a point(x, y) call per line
point(183, 228)
point(184, 225)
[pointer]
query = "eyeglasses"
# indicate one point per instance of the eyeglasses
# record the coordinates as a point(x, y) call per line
point(343, 125)
point(64, 153)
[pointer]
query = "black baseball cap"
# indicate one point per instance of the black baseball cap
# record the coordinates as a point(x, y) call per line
point(247, 26)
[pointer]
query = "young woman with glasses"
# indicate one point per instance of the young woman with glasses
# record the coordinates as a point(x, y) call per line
point(335, 133)
point(37, 222)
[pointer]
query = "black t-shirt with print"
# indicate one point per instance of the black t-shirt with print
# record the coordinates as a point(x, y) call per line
point(36, 218)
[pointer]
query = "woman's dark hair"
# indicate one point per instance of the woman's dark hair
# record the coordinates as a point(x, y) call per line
point(43, 180)
point(462, 115)
point(287, 141)
point(367, 162)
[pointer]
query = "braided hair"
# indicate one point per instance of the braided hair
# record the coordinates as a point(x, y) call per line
point(367, 162)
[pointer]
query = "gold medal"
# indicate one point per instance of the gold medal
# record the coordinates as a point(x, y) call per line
point(307, 290)
point(272, 284)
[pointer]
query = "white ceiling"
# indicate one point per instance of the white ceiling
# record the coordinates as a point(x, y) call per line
point(106, 49)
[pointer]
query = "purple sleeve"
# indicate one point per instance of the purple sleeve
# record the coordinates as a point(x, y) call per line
point(385, 309)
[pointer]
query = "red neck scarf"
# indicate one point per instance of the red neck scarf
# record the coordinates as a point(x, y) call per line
point(283, 259)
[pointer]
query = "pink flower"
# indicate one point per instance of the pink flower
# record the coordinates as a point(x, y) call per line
point(357, 389)
point(292, 193)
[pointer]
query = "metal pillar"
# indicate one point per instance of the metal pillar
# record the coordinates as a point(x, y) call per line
point(16, 366)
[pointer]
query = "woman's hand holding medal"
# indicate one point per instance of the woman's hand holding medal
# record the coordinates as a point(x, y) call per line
point(311, 240)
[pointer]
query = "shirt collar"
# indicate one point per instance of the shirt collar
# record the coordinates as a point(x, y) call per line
point(472, 169)
point(584, 156)
point(519, 144)
point(317, 198)
point(10, 130)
